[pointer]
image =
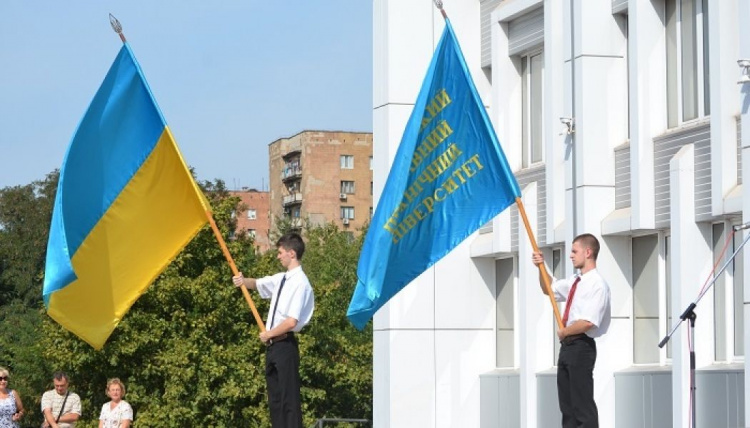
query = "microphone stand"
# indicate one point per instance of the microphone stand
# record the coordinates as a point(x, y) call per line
point(689, 315)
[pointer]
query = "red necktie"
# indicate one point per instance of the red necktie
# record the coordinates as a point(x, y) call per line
point(569, 302)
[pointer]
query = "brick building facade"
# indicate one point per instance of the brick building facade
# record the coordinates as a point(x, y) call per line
point(322, 176)
point(254, 216)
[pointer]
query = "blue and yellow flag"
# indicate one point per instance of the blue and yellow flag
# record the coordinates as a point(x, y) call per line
point(449, 177)
point(126, 205)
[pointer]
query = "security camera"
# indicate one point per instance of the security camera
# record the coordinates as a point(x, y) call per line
point(569, 125)
point(745, 69)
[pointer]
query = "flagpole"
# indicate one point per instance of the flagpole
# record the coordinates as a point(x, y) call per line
point(542, 270)
point(117, 27)
point(235, 271)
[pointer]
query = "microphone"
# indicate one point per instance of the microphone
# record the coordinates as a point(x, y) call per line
point(741, 226)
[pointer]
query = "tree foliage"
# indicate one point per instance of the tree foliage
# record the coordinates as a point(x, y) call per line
point(188, 350)
point(25, 213)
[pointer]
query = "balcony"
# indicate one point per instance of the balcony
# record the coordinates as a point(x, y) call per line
point(294, 198)
point(297, 222)
point(290, 173)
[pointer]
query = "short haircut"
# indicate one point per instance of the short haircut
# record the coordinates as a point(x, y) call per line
point(292, 241)
point(59, 375)
point(4, 372)
point(589, 241)
point(115, 381)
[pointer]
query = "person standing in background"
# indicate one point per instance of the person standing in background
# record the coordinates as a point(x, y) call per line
point(117, 413)
point(11, 407)
point(61, 408)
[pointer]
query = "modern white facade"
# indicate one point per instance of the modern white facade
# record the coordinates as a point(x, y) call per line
point(652, 165)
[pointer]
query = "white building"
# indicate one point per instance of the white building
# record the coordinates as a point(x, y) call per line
point(652, 167)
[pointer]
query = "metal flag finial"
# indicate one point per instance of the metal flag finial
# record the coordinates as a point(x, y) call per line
point(439, 5)
point(116, 26)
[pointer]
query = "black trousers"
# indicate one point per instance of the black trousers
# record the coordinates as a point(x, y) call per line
point(575, 384)
point(283, 382)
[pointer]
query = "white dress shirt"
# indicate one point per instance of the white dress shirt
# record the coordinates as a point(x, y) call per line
point(591, 301)
point(296, 301)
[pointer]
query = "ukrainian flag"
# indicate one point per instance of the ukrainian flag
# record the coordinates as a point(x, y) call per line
point(126, 205)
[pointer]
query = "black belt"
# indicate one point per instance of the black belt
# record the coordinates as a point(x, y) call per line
point(567, 340)
point(282, 338)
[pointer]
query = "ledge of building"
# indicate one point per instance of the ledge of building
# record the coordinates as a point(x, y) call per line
point(501, 373)
point(733, 200)
point(617, 223)
point(482, 245)
point(644, 369)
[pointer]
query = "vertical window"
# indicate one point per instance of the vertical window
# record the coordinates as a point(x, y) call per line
point(370, 163)
point(532, 67)
point(504, 278)
point(720, 295)
point(347, 212)
point(668, 284)
point(645, 256)
point(347, 187)
point(738, 275)
point(252, 214)
point(251, 233)
point(687, 60)
point(728, 296)
point(371, 188)
point(347, 161)
point(370, 212)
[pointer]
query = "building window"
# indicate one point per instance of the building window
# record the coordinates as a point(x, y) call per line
point(738, 279)
point(505, 273)
point(347, 161)
point(347, 213)
point(347, 187)
point(687, 60)
point(645, 259)
point(371, 212)
point(371, 188)
point(252, 214)
point(532, 67)
point(370, 163)
point(251, 233)
point(668, 284)
point(728, 296)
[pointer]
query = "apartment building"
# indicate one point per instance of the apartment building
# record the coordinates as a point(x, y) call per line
point(621, 118)
point(322, 177)
point(254, 218)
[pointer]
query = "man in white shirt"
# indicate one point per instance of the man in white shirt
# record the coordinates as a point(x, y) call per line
point(292, 305)
point(587, 316)
point(61, 408)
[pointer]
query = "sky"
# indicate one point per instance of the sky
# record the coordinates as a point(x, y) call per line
point(229, 76)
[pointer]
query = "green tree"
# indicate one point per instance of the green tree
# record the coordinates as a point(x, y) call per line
point(25, 213)
point(188, 350)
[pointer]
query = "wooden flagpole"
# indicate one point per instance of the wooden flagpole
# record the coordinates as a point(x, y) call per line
point(542, 270)
point(118, 29)
point(235, 271)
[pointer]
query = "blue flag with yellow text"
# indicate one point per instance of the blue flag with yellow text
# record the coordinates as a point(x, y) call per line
point(449, 177)
point(126, 205)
